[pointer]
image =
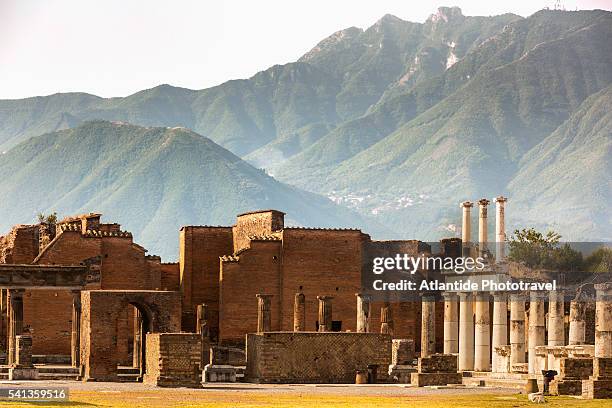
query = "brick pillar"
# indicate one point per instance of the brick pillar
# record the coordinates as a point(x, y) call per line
point(364, 309)
point(23, 351)
point(386, 319)
point(138, 339)
point(264, 313)
point(202, 328)
point(325, 313)
point(75, 333)
point(428, 325)
point(299, 312)
point(15, 321)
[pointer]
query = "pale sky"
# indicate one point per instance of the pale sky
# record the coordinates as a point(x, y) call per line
point(118, 47)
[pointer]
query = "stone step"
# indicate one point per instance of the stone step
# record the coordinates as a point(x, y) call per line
point(57, 370)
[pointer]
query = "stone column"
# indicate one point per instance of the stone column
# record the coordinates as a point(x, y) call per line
point(264, 313)
point(536, 327)
point(556, 322)
point(517, 329)
point(466, 226)
point(138, 338)
point(299, 312)
point(325, 313)
point(466, 332)
point(603, 320)
point(577, 322)
point(500, 324)
point(364, 309)
point(75, 333)
point(451, 323)
point(500, 228)
point(482, 333)
point(386, 319)
point(482, 225)
point(428, 325)
point(15, 321)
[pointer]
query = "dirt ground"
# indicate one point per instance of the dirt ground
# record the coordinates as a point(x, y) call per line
point(254, 395)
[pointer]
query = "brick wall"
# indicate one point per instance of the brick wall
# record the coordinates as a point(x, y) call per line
point(200, 249)
point(20, 245)
point(173, 360)
point(285, 357)
point(102, 312)
point(256, 271)
point(170, 276)
point(256, 223)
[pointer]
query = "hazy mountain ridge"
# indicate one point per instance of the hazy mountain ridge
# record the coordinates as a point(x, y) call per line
point(151, 180)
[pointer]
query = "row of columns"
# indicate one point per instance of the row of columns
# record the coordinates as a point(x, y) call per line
point(500, 225)
point(467, 326)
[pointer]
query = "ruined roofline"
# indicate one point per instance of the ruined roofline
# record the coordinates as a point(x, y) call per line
point(395, 240)
point(261, 211)
point(323, 229)
point(184, 227)
point(79, 217)
point(229, 258)
point(267, 237)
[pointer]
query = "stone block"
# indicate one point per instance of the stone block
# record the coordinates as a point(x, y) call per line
point(401, 373)
point(173, 359)
point(565, 387)
point(430, 379)
point(438, 363)
point(602, 368)
point(219, 373)
point(402, 352)
point(23, 373)
point(575, 368)
point(597, 389)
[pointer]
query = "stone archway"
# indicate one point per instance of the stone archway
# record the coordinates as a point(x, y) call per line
point(100, 311)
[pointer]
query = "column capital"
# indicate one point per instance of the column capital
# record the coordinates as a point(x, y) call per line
point(263, 296)
point(500, 199)
point(364, 296)
point(450, 295)
point(466, 204)
point(325, 297)
point(483, 202)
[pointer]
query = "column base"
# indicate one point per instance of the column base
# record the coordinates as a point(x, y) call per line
point(23, 373)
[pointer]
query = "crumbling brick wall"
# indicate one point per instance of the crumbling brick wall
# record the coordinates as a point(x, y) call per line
point(307, 357)
point(173, 360)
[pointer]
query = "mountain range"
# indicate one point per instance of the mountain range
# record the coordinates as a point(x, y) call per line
point(398, 122)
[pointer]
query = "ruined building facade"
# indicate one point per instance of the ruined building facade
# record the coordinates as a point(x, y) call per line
point(221, 267)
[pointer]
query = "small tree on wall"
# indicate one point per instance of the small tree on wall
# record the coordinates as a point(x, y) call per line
point(50, 219)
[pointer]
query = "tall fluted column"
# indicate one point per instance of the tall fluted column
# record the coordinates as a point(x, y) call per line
point(264, 313)
point(482, 333)
point(500, 324)
point(500, 228)
point(15, 321)
point(482, 224)
point(556, 322)
point(466, 332)
point(466, 226)
point(451, 323)
point(75, 333)
point(363, 313)
point(428, 325)
point(325, 313)
point(603, 320)
point(299, 312)
point(386, 319)
point(517, 329)
point(577, 322)
point(537, 327)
